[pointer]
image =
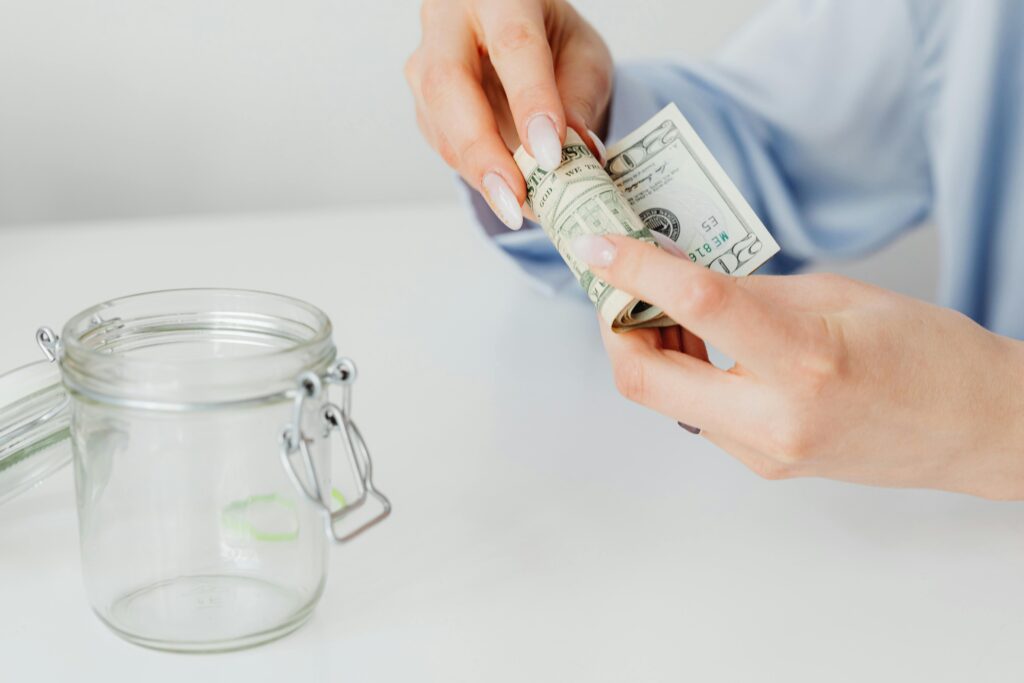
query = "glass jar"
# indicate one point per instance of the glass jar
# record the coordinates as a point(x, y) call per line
point(200, 429)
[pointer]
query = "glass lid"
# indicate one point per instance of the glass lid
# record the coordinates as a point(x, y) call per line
point(33, 427)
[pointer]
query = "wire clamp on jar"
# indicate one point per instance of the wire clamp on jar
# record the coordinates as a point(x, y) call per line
point(49, 342)
point(296, 445)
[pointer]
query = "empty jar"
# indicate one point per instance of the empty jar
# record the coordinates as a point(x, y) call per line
point(201, 429)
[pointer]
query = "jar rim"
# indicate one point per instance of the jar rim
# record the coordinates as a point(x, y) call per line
point(74, 341)
point(88, 363)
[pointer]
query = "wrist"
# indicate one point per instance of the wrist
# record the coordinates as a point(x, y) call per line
point(1002, 433)
point(1014, 380)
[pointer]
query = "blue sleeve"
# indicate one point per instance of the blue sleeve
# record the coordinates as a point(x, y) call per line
point(815, 109)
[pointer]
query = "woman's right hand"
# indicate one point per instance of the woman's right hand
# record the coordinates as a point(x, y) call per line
point(491, 73)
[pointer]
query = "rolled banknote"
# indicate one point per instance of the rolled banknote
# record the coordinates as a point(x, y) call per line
point(661, 177)
point(579, 198)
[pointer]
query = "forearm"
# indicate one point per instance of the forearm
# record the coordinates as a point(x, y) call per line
point(1000, 425)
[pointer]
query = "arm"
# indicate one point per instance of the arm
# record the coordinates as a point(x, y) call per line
point(833, 378)
point(815, 111)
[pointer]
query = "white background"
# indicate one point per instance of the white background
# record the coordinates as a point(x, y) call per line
point(132, 108)
point(128, 108)
point(116, 108)
point(534, 537)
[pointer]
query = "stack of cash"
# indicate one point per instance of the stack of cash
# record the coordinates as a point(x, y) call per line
point(659, 178)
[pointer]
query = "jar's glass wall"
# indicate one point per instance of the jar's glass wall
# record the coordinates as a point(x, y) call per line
point(191, 533)
point(193, 537)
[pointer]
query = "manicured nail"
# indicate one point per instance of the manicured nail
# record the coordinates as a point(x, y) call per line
point(503, 202)
point(544, 142)
point(692, 430)
point(667, 244)
point(602, 154)
point(594, 251)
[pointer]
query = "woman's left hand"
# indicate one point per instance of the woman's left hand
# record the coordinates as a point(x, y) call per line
point(833, 378)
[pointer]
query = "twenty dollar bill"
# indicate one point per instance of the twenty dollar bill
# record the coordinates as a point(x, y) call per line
point(660, 178)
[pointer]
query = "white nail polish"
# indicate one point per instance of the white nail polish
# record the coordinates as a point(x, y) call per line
point(667, 244)
point(602, 153)
point(503, 202)
point(594, 251)
point(544, 143)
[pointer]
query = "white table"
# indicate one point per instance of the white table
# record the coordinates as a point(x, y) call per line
point(544, 528)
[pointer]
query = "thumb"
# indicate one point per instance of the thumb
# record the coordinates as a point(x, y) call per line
point(583, 71)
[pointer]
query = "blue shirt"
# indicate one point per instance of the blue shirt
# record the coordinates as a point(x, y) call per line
point(846, 123)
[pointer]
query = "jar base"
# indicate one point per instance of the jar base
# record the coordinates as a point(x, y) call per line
point(208, 613)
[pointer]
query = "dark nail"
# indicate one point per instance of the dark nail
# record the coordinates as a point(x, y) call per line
point(692, 430)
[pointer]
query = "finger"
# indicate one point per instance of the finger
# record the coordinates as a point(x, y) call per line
point(695, 346)
point(584, 76)
point(516, 39)
point(810, 292)
point(495, 185)
point(709, 304)
point(675, 338)
point(672, 338)
point(468, 138)
point(758, 463)
point(690, 344)
point(499, 103)
point(435, 139)
point(452, 101)
point(818, 292)
point(673, 384)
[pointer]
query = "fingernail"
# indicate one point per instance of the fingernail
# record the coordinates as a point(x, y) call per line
point(667, 244)
point(544, 142)
point(602, 154)
point(503, 202)
point(692, 430)
point(594, 251)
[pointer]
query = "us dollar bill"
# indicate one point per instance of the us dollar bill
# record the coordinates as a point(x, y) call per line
point(580, 198)
point(677, 188)
point(661, 177)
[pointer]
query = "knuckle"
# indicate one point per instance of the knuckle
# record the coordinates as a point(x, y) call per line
point(630, 379)
point(704, 295)
point(792, 443)
point(600, 78)
point(436, 80)
point(771, 470)
point(470, 150)
point(531, 96)
point(411, 67)
point(581, 107)
point(818, 371)
point(822, 364)
point(626, 267)
point(444, 148)
point(428, 9)
point(514, 37)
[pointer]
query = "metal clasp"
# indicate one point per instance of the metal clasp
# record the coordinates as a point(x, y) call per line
point(49, 342)
point(295, 444)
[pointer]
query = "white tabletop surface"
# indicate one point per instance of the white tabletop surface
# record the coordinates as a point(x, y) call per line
point(544, 528)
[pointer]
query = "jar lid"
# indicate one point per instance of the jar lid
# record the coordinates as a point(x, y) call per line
point(33, 427)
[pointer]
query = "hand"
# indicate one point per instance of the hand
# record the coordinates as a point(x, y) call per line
point(833, 378)
point(489, 73)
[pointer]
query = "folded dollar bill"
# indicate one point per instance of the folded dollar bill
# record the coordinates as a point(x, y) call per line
point(660, 178)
